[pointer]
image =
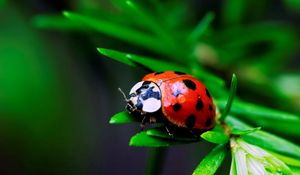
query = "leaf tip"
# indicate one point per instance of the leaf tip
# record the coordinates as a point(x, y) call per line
point(112, 121)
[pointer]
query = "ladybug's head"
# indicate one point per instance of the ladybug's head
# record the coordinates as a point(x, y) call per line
point(144, 97)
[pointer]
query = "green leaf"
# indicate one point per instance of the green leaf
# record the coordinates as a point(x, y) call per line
point(149, 22)
point(135, 60)
point(262, 116)
point(214, 83)
point(286, 159)
point(123, 33)
point(162, 133)
point(201, 28)
point(142, 139)
point(55, 22)
point(215, 137)
point(243, 132)
point(123, 117)
point(230, 98)
point(273, 142)
point(212, 161)
point(264, 139)
point(233, 165)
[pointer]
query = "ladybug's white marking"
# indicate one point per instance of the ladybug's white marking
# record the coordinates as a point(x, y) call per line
point(136, 87)
point(145, 96)
point(151, 105)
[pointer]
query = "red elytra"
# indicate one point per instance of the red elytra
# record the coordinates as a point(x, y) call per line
point(186, 102)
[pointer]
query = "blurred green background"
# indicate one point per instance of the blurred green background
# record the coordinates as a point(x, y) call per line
point(57, 93)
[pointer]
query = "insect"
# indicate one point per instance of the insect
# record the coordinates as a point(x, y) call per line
point(176, 98)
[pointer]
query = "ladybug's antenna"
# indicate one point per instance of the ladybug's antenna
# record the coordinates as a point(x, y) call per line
point(126, 99)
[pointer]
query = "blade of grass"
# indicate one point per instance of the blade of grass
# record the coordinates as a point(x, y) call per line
point(212, 161)
point(213, 83)
point(122, 32)
point(215, 137)
point(123, 117)
point(201, 28)
point(55, 22)
point(135, 60)
point(230, 98)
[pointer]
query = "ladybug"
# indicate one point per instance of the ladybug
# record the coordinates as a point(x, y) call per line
point(175, 97)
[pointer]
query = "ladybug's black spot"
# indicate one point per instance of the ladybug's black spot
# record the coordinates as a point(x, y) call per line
point(176, 107)
point(179, 73)
point(210, 107)
point(190, 121)
point(157, 73)
point(208, 122)
point(207, 93)
point(199, 104)
point(189, 84)
point(146, 83)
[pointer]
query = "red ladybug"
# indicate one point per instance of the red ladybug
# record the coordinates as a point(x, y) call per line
point(177, 97)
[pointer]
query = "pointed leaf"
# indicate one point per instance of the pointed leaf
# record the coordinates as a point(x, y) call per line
point(233, 166)
point(265, 117)
point(123, 117)
point(201, 28)
point(215, 137)
point(265, 140)
point(116, 55)
point(162, 133)
point(122, 32)
point(143, 140)
point(236, 131)
point(56, 22)
point(273, 142)
point(230, 98)
point(135, 60)
point(286, 159)
point(212, 161)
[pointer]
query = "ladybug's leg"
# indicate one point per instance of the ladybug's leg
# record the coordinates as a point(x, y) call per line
point(169, 131)
point(152, 119)
point(194, 134)
point(145, 120)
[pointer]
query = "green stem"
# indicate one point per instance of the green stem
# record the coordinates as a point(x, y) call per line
point(155, 161)
point(230, 98)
